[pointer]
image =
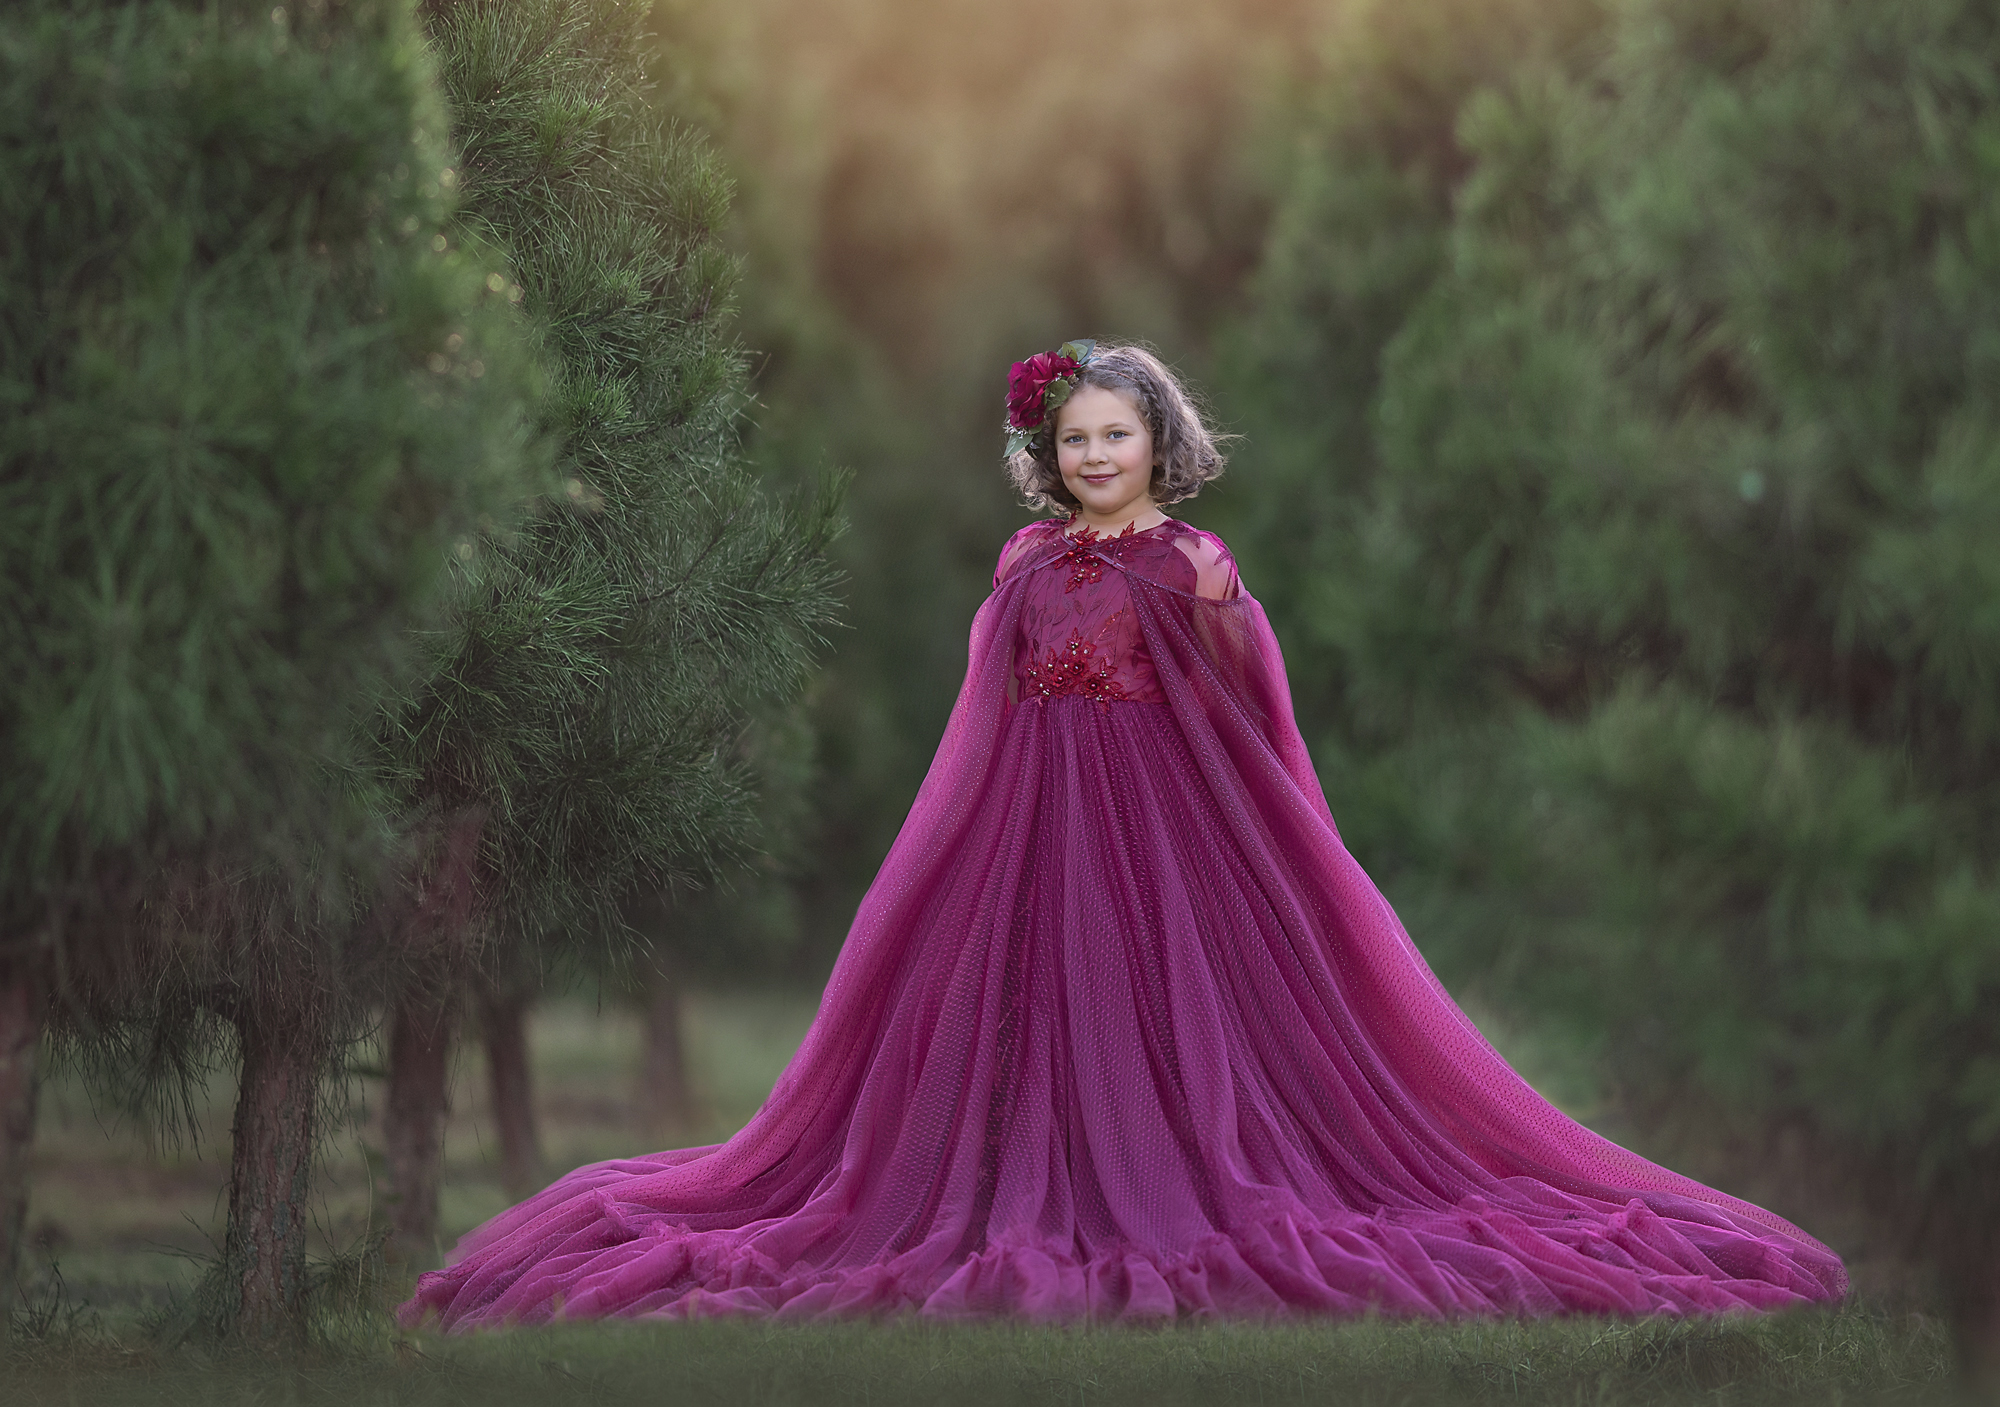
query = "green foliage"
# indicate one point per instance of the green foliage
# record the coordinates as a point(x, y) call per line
point(597, 670)
point(340, 1307)
point(1360, 235)
point(258, 396)
point(746, 923)
point(253, 394)
point(1646, 603)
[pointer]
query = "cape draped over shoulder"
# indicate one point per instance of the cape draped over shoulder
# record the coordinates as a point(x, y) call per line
point(1122, 1030)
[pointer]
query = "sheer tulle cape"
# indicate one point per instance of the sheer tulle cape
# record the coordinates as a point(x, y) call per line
point(1122, 1030)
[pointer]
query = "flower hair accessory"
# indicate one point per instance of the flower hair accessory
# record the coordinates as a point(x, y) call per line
point(1037, 387)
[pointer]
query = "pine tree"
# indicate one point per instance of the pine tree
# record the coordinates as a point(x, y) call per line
point(576, 745)
point(256, 400)
point(1665, 650)
point(1361, 234)
point(744, 926)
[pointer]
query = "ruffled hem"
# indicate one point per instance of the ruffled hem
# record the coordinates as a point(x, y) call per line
point(1474, 1260)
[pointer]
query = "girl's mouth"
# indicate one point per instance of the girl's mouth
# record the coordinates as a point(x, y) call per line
point(1100, 478)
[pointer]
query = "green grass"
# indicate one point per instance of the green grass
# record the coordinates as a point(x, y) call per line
point(1851, 1355)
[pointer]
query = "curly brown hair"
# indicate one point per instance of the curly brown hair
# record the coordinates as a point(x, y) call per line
point(1187, 453)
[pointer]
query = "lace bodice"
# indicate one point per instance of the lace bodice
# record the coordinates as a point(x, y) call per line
point(1078, 634)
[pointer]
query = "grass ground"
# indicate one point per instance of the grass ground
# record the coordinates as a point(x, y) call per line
point(123, 1221)
point(1850, 1356)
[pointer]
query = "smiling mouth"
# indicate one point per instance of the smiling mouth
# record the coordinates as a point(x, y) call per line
point(1100, 478)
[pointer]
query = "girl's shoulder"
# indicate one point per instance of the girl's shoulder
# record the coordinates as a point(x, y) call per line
point(1214, 567)
point(1018, 545)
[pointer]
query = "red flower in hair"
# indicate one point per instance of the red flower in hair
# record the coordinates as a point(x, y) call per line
point(1037, 387)
point(1028, 386)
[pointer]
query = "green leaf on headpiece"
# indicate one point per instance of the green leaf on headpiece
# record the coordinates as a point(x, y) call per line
point(1079, 350)
point(1052, 399)
point(1018, 440)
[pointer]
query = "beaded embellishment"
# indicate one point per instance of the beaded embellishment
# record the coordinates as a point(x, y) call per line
point(1073, 669)
point(1086, 567)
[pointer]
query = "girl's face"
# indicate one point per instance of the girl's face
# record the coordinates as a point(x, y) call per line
point(1105, 453)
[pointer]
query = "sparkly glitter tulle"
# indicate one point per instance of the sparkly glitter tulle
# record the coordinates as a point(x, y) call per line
point(1121, 1031)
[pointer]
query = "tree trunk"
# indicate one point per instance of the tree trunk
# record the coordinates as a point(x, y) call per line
point(503, 1016)
point(1975, 1324)
point(21, 1019)
point(419, 1075)
point(1965, 1220)
point(665, 1097)
point(1979, 1352)
point(426, 1009)
point(284, 1056)
point(1974, 1292)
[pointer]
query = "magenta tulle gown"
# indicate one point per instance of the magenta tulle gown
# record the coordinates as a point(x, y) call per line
point(1122, 1032)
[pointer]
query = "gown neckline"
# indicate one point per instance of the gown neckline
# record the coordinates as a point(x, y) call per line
point(1062, 527)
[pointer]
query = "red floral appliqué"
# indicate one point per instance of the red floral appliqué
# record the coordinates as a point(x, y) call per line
point(1074, 669)
point(1086, 567)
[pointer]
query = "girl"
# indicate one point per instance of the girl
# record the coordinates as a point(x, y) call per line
point(1121, 1031)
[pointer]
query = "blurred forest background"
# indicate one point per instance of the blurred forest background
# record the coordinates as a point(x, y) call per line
point(1619, 463)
